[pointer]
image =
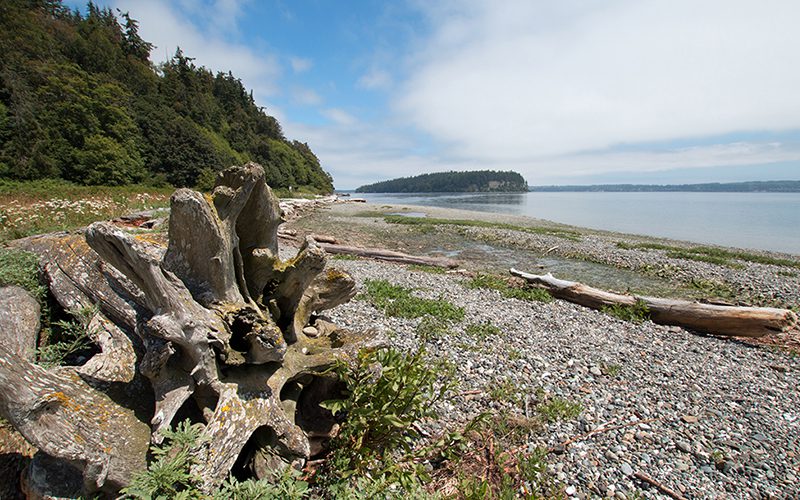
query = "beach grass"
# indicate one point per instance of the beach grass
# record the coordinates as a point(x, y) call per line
point(713, 255)
point(35, 207)
point(432, 221)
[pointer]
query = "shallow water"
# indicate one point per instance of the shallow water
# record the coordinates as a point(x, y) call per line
point(765, 221)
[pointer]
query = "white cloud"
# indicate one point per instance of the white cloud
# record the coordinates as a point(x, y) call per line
point(167, 28)
point(375, 79)
point(300, 64)
point(538, 171)
point(339, 116)
point(306, 97)
point(519, 80)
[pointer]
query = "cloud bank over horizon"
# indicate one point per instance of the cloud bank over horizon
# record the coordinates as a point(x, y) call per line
point(561, 92)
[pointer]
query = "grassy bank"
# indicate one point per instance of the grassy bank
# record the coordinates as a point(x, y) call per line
point(28, 208)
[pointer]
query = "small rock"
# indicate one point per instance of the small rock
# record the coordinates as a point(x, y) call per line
point(595, 370)
point(683, 446)
point(611, 456)
point(311, 331)
point(626, 469)
point(571, 490)
point(689, 419)
point(682, 466)
point(760, 437)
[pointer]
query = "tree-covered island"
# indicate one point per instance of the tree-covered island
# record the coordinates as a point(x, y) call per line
point(483, 181)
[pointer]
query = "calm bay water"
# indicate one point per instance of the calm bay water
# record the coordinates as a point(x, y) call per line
point(766, 221)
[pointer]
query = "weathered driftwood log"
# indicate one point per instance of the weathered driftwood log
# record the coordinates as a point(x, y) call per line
point(388, 255)
point(210, 329)
point(709, 318)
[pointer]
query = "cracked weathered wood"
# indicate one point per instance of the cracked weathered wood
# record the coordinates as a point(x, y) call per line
point(709, 318)
point(213, 324)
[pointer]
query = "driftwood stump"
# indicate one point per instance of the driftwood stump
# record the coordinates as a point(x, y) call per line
point(210, 329)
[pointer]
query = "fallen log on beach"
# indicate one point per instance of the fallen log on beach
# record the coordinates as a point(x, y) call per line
point(708, 318)
point(388, 255)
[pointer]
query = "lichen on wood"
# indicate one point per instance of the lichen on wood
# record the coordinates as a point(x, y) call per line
point(210, 329)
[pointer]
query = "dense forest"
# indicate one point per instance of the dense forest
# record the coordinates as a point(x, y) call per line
point(80, 100)
point(453, 182)
point(712, 187)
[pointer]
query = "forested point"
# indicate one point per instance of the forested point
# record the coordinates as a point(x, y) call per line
point(443, 182)
point(80, 100)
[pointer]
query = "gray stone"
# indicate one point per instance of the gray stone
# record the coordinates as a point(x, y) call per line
point(311, 331)
point(626, 469)
point(683, 446)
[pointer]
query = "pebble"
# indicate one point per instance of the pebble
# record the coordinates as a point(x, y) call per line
point(695, 392)
point(310, 331)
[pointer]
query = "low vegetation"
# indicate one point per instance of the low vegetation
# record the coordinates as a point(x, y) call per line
point(399, 301)
point(387, 393)
point(482, 331)
point(21, 269)
point(68, 339)
point(506, 289)
point(430, 221)
point(638, 312)
point(35, 207)
point(714, 255)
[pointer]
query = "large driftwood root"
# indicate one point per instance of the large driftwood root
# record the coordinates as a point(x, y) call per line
point(709, 318)
point(210, 328)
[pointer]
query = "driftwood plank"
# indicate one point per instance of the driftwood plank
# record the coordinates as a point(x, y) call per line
point(388, 255)
point(709, 318)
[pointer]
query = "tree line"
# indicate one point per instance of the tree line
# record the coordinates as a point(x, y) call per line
point(80, 100)
point(454, 182)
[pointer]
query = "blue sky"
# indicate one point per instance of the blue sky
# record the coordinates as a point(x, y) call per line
point(567, 92)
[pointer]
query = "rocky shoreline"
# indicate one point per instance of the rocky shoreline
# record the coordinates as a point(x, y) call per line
point(706, 417)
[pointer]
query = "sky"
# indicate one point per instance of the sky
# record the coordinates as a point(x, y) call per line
point(564, 92)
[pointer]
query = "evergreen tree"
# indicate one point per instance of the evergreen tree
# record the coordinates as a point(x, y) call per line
point(81, 100)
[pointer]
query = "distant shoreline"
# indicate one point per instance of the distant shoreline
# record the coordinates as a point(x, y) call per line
point(709, 187)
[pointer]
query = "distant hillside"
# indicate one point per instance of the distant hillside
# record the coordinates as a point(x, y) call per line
point(453, 182)
point(713, 187)
point(80, 100)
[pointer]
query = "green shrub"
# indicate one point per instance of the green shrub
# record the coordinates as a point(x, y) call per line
point(387, 392)
point(398, 301)
point(67, 338)
point(169, 474)
point(285, 486)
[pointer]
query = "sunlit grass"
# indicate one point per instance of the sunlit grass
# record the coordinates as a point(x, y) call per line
point(28, 208)
point(430, 221)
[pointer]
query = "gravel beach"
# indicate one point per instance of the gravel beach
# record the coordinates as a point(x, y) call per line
point(706, 417)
